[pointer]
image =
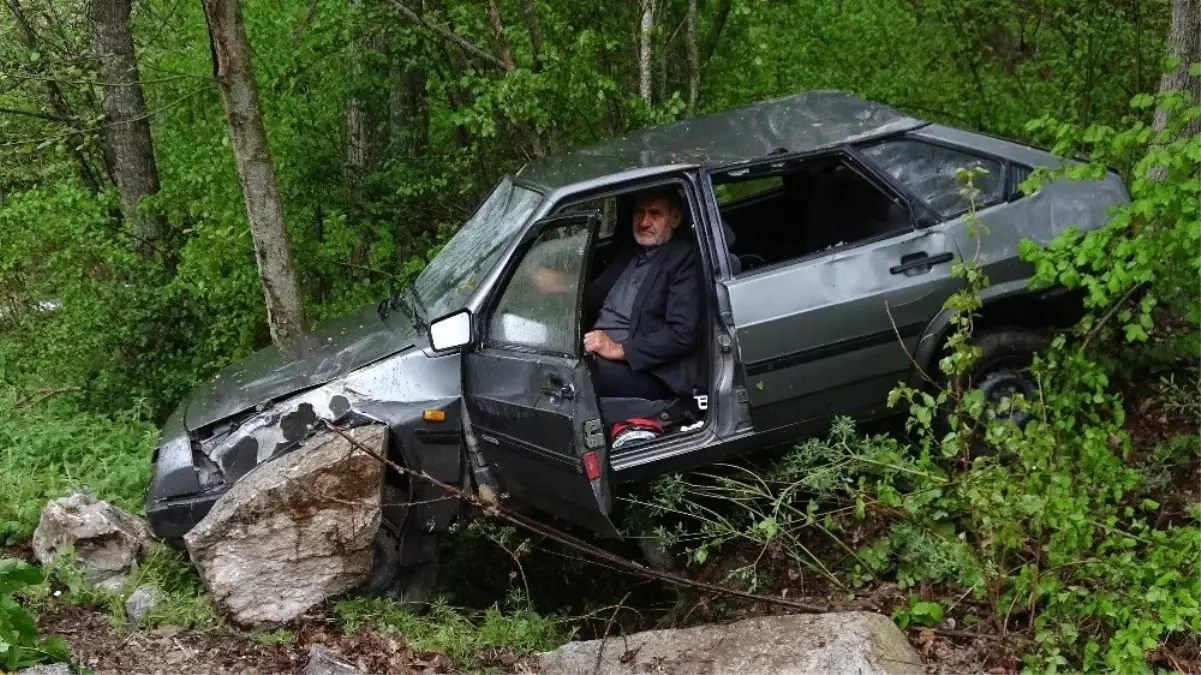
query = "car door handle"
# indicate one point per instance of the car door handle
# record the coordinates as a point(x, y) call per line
point(920, 262)
point(557, 388)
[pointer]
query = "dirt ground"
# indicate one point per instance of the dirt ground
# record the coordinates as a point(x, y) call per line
point(96, 646)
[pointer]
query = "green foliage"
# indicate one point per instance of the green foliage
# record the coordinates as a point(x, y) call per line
point(464, 639)
point(49, 448)
point(918, 612)
point(20, 645)
point(180, 596)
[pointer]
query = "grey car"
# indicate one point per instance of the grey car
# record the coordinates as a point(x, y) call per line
point(826, 226)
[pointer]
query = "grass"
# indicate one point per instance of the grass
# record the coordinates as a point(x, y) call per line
point(49, 448)
point(462, 637)
point(180, 597)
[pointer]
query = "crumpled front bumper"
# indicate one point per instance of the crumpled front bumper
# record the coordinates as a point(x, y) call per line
point(171, 519)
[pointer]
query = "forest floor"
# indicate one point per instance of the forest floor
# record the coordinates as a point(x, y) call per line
point(559, 583)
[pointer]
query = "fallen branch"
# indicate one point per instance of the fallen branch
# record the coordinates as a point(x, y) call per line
point(42, 395)
point(451, 36)
point(497, 511)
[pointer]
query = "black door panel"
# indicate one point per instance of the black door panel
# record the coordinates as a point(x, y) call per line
point(529, 395)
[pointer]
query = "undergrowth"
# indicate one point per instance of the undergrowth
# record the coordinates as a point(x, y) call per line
point(49, 448)
point(180, 598)
point(471, 641)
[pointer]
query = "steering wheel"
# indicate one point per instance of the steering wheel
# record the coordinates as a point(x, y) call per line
point(750, 260)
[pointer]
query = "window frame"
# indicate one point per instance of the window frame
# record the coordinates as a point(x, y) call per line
point(529, 240)
point(850, 156)
point(934, 215)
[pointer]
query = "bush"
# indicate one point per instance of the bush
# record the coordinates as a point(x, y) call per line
point(20, 646)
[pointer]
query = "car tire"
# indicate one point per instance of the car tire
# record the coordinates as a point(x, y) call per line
point(412, 584)
point(1001, 370)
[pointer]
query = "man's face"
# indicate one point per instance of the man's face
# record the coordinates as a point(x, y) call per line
point(655, 218)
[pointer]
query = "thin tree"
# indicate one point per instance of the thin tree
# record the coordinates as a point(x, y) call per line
point(127, 123)
point(646, 26)
point(58, 103)
point(694, 62)
point(1184, 43)
point(256, 169)
point(365, 127)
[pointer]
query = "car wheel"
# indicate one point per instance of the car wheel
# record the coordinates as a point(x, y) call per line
point(1001, 371)
point(412, 584)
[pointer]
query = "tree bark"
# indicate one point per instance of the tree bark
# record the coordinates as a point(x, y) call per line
point(365, 125)
point(408, 109)
point(256, 169)
point(1184, 42)
point(531, 21)
point(502, 42)
point(58, 103)
point(645, 27)
point(127, 133)
point(694, 63)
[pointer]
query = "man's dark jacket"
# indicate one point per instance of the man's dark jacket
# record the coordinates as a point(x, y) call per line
point(666, 317)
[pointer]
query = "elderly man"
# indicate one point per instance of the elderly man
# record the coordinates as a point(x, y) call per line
point(647, 307)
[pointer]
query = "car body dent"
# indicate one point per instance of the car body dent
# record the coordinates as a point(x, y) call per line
point(823, 327)
point(332, 349)
point(410, 380)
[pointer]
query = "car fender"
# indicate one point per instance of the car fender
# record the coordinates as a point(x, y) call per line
point(935, 332)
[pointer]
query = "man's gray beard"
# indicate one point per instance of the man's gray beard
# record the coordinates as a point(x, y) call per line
point(657, 242)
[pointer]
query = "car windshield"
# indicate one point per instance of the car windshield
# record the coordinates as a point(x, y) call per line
point(444, 285)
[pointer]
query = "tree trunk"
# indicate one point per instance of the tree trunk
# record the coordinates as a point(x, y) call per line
point(713, 37)
point(694, 63)
point(408, 109)
point(646, 26)
point(502, 42)
point(364, 117)
point(531, 21)
point(58, 103)
point(127, 133)
point(256, 170)
point(1184, 42)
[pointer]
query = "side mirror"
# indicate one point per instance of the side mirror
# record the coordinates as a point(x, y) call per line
point(451, 332)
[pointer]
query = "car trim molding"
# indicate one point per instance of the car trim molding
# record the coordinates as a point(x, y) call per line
point(793, 359)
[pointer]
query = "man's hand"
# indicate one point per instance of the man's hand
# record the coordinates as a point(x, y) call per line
point(598, 342)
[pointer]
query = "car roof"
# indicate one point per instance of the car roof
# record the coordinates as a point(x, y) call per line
point(798, 123)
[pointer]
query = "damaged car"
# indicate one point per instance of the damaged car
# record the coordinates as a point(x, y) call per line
point(825, 226)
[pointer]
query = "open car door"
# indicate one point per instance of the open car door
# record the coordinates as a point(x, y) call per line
point(527, 389)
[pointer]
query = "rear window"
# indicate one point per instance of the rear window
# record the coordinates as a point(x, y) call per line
point(929, 171)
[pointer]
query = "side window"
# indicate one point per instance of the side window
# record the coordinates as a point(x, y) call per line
point(605, 207)
point(804, 207)
point(748, 189)
point(928, 171)
point(539, 306)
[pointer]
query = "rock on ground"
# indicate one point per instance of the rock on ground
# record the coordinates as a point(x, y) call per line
point(107, 540)
point(323, 661)
point(139, 603)
point(843, 642)
point(49, 669)
point(293, 531)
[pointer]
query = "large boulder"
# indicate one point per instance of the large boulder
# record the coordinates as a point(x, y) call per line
point(108, 542)
point(842, 642)
point(293, 531)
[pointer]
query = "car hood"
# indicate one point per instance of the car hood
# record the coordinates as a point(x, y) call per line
point(330, 350)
